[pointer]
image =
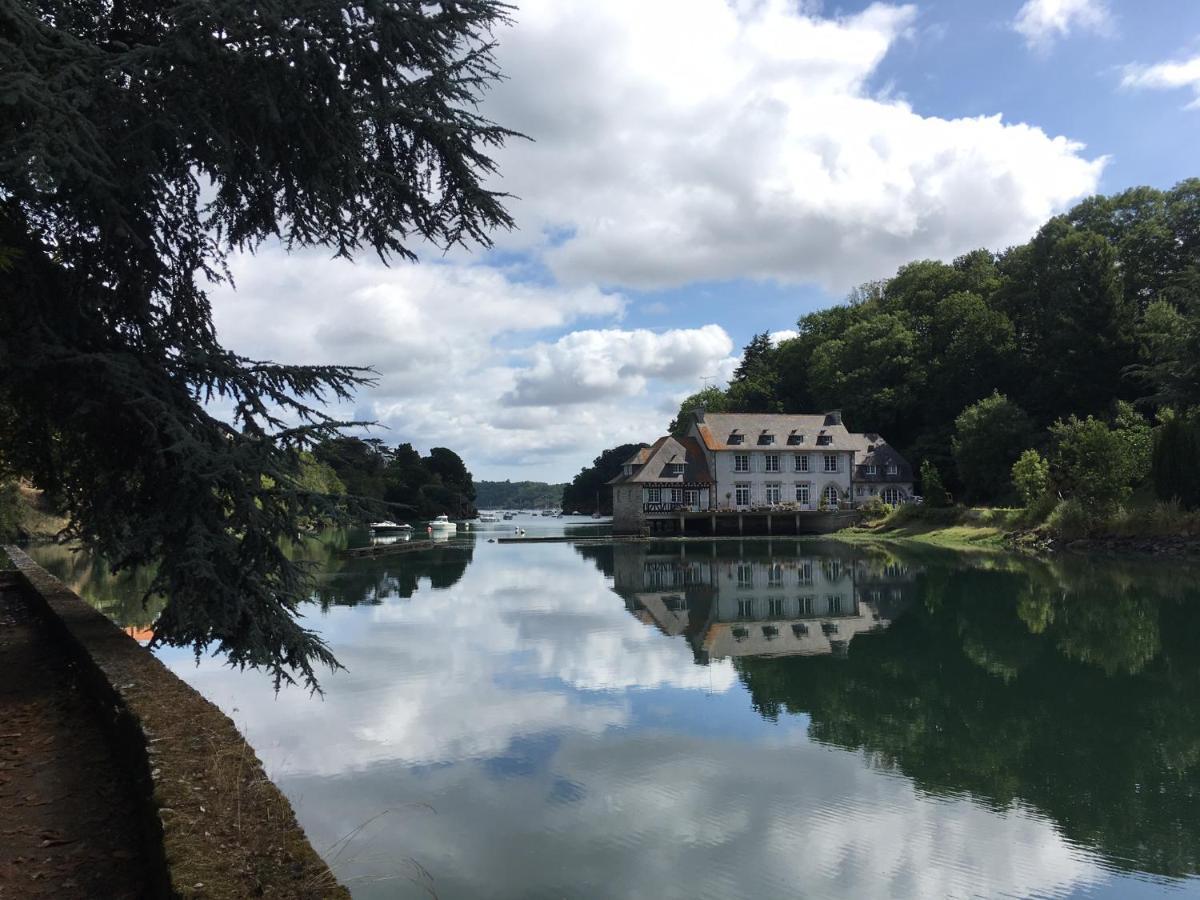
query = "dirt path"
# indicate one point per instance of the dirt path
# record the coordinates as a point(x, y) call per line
point(67, 823)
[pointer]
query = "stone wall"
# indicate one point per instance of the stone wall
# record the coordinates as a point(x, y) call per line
point(628, 517)
point(219, 827)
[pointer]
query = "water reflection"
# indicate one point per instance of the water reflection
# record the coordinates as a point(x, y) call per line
point(796, 599)
point(725, 719)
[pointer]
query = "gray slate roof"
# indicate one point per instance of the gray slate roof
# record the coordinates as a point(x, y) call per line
point(663, 453)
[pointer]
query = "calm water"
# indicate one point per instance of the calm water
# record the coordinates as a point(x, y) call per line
point(734, 719)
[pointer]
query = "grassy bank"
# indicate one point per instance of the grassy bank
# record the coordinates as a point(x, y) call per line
point(955, 527)
point(1145, 526)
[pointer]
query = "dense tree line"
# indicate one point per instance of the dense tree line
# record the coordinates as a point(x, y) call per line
point(964, 365)
point(588, 491)
point(398, 480)
point(517, 494)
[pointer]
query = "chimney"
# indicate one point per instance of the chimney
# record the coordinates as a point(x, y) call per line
point(698, 411)
point(834, 417)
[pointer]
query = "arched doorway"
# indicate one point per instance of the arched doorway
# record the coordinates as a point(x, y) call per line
point(831, 496)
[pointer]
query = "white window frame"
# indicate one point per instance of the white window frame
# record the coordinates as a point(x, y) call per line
point(654, 495)
point(691, 497)
point(892, 496)
point(774, 494)
point(676, 495)
point(893, 469)
point(872, 469)
point(835, 460)
point(738, 489)
point(771, 462)
point(800, 463)
point(747, 570)
point(741, 462)
point(834, 501)
point(804, 493)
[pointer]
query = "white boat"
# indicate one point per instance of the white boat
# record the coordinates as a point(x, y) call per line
point(389, 527)
point(488, 517)
point(443, 523)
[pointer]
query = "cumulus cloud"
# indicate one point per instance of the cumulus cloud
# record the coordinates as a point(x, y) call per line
point(586, 365)
point(787, 334)
point(460, 359)
point(1170, 75)
point(1042, 22)
point(692, 140)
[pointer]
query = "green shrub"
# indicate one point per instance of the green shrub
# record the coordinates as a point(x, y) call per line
point(931, 485)
point(1031, 475)
point(1071, 520)
point(1091, 464)
point(1175, 461)
point(875, 509)
point(988, 435)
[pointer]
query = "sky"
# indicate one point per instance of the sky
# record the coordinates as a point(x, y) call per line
point(699, 171)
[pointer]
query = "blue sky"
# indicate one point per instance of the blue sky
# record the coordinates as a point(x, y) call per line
point(706, 169)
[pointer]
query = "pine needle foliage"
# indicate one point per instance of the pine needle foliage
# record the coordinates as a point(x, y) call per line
point(140, 143)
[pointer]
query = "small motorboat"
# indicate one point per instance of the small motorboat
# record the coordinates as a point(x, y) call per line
point(443, 523)
point(489, 517)
point(508, 517)
point(388, 527)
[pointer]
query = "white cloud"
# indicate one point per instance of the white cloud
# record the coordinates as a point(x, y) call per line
point(459, 356)
point(691, 140)
point(587, 365)
point(1042, 22)
point(1170, 75)
point(787, 334)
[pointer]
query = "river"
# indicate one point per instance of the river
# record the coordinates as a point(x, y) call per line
point(787, 718)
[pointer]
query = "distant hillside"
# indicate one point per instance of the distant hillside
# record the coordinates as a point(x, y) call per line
point(517, 494)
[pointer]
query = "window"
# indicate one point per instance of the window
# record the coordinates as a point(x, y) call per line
point(802, 494)
point(691, 498)
point(824, 440)
point(835, 604)
point(806, 572)
point(765, 438)
point(736, 437)
point(831, 495)
point(773, 494)
point(893, 469)
point(806, 606)
point(872, 469)
point(677, 495)
point(742, 494)
point(741, 462)
point(654, 495)
point(745, 609)
point(775, 607)
point(674, 469)
point(892, 496)
point(775, 576)
point(771, 462)
point(800, 462)
point(745, 575)
point(794, 439)
point(831, 462)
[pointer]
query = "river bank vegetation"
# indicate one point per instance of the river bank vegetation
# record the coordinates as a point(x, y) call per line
point(517, 494)
point(1061, 375)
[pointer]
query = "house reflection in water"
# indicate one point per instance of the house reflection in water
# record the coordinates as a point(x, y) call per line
point(778, 598)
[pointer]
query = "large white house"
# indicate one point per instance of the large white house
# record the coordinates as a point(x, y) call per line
point(752, 462)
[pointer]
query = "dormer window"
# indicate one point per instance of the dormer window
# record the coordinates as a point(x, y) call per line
point(766, 438)
point(872, 469)
point(893, 469)
point(736, 437)
point(824, 440)
point(674, 469)
point(795, 438)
